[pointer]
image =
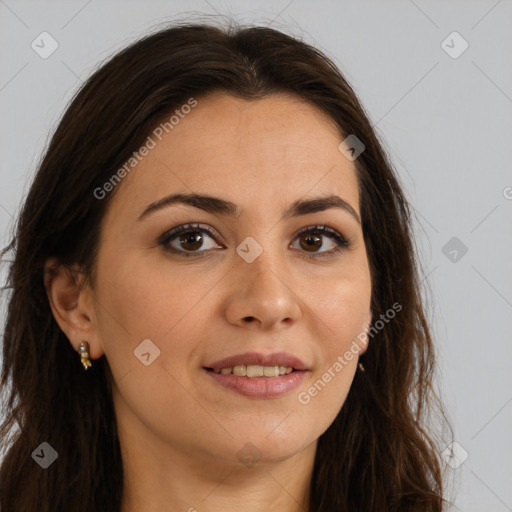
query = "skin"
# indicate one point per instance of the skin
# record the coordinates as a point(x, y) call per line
point(180, 431)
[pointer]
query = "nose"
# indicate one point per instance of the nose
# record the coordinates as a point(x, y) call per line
point(264, 295)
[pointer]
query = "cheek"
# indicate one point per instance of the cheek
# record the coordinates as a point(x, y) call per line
point(323, 396)
point(140, 305)
point(341, 305)
point(341, 318)
point(147, 300)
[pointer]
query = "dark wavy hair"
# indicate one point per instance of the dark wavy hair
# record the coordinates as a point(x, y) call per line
point(379, 454)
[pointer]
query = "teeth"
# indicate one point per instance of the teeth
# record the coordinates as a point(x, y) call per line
point(241, 370)
point(271, 371)
point(254, 370)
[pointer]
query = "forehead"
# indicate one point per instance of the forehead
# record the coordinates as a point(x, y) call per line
point(256, 151)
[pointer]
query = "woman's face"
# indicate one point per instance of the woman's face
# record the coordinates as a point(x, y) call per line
point(255, 284)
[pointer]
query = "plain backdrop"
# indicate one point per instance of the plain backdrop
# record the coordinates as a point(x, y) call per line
point(436, 81)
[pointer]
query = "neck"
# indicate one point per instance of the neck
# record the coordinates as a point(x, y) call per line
point(179, 482)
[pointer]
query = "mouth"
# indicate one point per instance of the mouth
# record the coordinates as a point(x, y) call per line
point(254, 371)
point(258, 376)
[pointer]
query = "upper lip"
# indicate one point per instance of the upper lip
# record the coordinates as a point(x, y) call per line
point(256, 358)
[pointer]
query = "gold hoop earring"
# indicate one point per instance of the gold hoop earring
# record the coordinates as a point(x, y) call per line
point(361, 367)
point(84, 354)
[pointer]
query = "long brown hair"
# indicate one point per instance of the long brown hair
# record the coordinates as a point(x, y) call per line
point(377, 455)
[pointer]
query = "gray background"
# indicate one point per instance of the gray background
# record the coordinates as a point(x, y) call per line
point(445, 121)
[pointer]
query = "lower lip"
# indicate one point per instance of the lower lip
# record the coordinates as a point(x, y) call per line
point(259, 387)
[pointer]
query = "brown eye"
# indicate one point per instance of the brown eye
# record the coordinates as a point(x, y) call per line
point(311, 240)
point(187, 239)
point(191, 242)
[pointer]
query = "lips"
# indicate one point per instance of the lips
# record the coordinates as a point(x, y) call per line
point(256, 358)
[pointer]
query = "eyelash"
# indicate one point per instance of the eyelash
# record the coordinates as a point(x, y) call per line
point(342, 244)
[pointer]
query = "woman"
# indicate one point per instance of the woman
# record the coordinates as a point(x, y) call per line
point(215, 302)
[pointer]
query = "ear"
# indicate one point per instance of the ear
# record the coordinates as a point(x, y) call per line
point(72, 306)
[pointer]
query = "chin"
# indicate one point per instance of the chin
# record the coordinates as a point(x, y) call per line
point(267, 446)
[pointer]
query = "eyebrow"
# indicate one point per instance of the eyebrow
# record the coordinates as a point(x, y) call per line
point(216, 205)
